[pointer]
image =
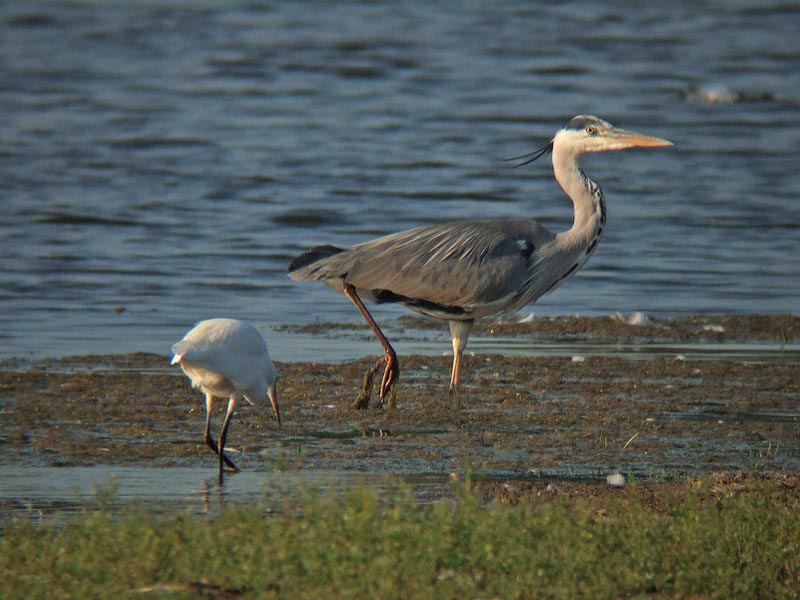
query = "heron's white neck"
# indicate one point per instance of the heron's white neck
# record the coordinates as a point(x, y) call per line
point(587, 198)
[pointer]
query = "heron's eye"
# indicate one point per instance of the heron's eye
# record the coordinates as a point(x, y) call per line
point(591, 130)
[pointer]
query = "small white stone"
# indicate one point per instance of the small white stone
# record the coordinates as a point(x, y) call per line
point(615, 479)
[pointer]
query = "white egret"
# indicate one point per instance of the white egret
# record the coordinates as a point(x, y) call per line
point(227, 358)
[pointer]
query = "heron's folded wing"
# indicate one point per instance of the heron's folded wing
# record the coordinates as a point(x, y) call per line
point(460, 264)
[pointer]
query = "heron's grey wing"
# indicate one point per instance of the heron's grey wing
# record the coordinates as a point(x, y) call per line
point(466, 265)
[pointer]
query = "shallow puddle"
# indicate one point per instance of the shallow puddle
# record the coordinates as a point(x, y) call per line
point(53, 493)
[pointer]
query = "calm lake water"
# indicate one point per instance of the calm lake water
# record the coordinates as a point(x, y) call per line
point(162, 162)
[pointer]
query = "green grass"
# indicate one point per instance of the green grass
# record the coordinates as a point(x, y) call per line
point(363, 545)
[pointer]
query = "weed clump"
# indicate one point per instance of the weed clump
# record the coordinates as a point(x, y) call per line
point(695, 543)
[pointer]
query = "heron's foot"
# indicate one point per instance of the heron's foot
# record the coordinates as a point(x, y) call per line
point(390, 375)
point(362, 402)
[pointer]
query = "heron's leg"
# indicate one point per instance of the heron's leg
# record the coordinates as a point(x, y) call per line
point(392, 370)
point(207, 436)
point(459, 331)
point(223, 434)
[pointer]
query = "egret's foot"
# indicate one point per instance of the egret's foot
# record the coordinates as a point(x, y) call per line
point(228, 467)
point(213, 445)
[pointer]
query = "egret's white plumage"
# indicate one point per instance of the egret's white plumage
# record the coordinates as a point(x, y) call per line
point(227, 358)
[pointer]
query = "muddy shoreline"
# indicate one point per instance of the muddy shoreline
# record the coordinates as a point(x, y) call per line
point(522, 420)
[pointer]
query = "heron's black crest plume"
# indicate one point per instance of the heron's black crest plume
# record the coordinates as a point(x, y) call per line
point(531, 156)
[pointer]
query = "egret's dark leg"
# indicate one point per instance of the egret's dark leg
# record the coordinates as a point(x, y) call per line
point(459, 331)
point(392, 370)
point(210, 440)
point(223, 434)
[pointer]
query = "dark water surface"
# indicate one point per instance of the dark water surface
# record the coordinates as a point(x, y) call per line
point(162, 162)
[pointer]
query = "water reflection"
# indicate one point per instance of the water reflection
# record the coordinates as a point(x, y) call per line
point(52, 494)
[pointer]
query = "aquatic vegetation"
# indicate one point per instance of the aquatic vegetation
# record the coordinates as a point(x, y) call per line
point(703, 538)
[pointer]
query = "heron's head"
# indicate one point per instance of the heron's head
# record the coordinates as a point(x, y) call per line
point(591, 134)
point(585, 133)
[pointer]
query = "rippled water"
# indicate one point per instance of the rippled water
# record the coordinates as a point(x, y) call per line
point(162, 162)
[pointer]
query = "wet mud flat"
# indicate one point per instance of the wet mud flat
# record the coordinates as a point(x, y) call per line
point(522, 423)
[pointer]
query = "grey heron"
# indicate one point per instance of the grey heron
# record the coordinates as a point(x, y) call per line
point(463, 271)
point(227, 358)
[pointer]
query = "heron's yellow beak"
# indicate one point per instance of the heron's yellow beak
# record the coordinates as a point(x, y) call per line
point(621, 138)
